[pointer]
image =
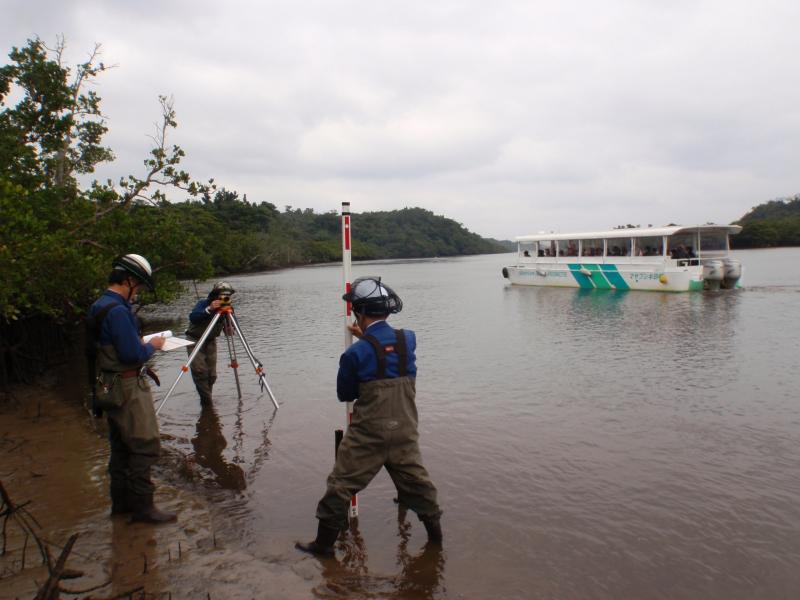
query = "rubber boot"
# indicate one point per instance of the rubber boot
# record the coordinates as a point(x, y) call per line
point(144, 511)
point(120, 505)
point(434, 528)
point(323, 545)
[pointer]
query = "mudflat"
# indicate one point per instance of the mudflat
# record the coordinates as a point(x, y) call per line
point(54, 458)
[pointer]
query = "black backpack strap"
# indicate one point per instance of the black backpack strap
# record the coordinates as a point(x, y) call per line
point(402, 352)
point(100, 316)
point(94, 323)
point(379, 352)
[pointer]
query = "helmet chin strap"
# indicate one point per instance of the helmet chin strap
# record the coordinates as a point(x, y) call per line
point(130, 289)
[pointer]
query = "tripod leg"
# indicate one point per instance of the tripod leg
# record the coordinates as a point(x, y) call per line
point(228, 331)
point(192, 356)
point(259, 368)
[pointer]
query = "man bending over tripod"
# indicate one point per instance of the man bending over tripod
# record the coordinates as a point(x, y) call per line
point(204, 366)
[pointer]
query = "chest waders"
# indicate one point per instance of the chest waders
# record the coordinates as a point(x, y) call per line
point(383, 433)
point(123, 391)
point(204, 365)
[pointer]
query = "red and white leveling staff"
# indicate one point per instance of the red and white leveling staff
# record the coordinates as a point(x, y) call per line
point(348, 337)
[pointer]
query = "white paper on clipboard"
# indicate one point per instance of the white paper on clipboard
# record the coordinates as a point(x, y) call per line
point(170, 341)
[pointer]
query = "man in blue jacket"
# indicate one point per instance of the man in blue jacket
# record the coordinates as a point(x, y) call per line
point(204, 365)
point(123, 391)
point(379, 371)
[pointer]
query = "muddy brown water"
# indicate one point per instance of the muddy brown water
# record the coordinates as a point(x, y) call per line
point(585, 445)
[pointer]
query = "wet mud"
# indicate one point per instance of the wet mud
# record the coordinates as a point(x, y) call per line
point(54, 457)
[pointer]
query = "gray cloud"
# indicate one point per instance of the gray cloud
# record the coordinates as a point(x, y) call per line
point(509, 117)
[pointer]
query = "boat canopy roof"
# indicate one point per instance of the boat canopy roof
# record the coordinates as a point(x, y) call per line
point(633, 232)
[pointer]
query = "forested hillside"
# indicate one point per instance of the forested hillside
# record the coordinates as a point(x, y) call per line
point(773, 223)
point(242, 236)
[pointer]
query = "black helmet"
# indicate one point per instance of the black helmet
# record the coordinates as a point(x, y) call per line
point(221, 288)
point(372, 298)
point(136, 265)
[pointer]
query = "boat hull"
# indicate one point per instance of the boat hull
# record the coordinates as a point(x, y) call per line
point(608, 276)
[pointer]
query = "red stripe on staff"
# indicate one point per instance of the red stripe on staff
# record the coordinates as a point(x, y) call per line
point(347, 233)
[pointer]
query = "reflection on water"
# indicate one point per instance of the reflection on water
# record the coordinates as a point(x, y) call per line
point(420, 575)
point(208, 443)
point(134, 556)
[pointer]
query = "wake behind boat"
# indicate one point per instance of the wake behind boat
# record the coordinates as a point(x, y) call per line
point(671, 259)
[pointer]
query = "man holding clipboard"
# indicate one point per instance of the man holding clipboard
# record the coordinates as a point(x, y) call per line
point(123, 391)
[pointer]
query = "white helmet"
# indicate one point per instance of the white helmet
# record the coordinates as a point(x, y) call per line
point(371, 297)
point(136, 265)
point(221, 288)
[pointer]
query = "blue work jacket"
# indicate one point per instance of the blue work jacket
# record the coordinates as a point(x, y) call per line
point(121, 330)
point(198, 316)
point(359, 362)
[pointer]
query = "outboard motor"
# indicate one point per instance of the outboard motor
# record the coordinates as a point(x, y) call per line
point(713, 274)
point(733, 272)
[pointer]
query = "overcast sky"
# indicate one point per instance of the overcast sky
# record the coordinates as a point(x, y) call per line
point(509, 117)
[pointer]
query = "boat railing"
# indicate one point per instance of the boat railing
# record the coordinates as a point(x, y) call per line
point(613, 260)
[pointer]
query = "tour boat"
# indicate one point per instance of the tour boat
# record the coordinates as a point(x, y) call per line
point(669, 259)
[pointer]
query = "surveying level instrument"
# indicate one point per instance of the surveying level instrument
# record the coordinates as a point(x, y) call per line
point(231, 329)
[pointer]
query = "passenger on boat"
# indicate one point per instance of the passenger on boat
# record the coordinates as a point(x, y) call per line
point(680, 251)
point(526, 253)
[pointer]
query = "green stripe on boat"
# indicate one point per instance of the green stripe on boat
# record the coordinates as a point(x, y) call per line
point(597, 277)
point(584, 281)
point(614, 277)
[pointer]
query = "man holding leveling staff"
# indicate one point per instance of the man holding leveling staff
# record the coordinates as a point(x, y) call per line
point(380, 371)
point(204, 365)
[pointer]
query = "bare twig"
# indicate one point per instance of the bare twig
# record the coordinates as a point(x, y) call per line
point(125, 594)
point(50, 589)
point(87, 590)
point(23, 518)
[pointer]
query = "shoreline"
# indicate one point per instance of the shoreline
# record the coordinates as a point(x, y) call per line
point(54, 459)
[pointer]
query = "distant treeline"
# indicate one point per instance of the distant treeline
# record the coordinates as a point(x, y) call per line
point(773, 223)
point(239, 236)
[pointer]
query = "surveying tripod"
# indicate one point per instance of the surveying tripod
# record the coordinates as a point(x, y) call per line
point(230, 327)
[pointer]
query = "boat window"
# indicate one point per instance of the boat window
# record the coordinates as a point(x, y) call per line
point(713, 241)
point(547, 248)
point(568, 247)
point(591, 247)
point(527, 249)
point(618, 247)
point(649, 246)
point(681, 245)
